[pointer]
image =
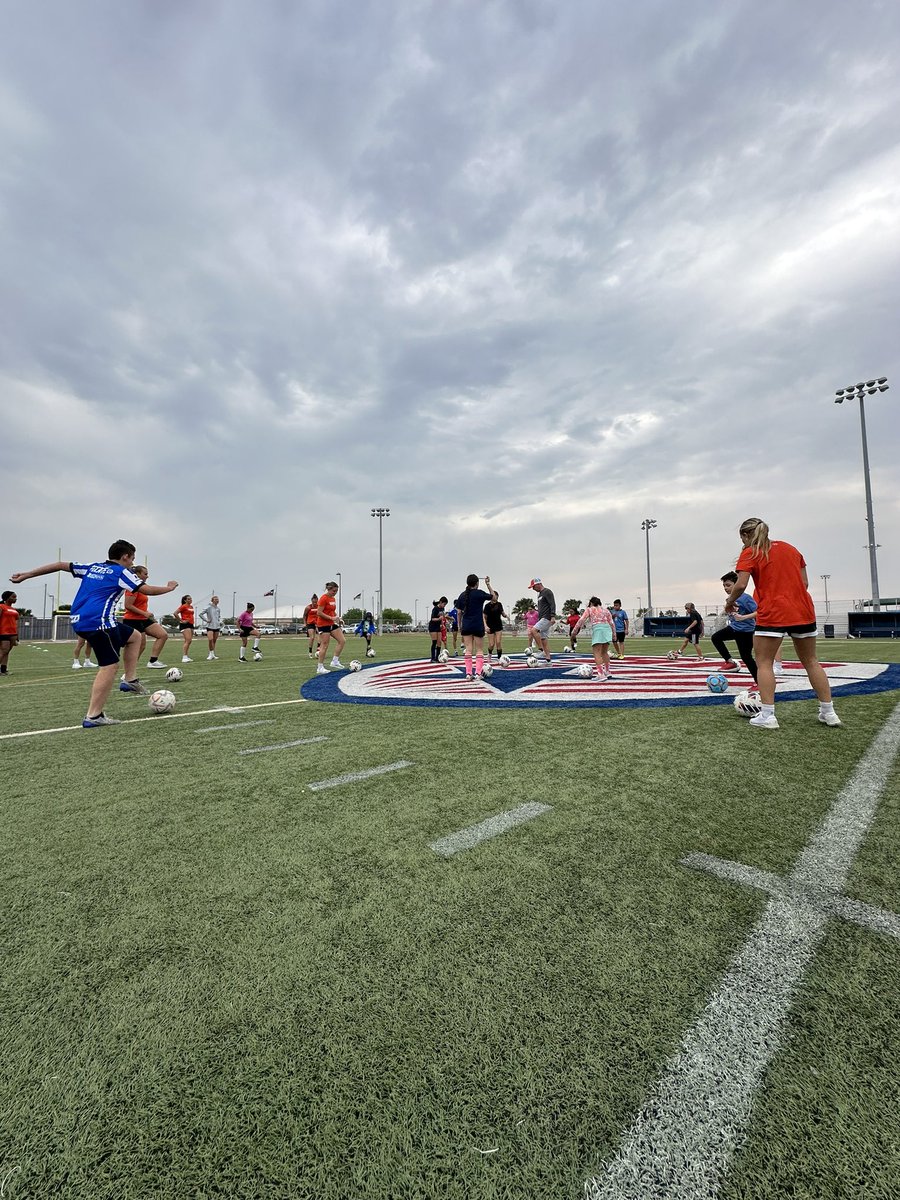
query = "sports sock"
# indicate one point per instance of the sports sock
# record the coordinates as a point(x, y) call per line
point(256, 643)
point(768, 710)
point(479, 663)
point(826, 706)
point(468, 663)
point(153, 659)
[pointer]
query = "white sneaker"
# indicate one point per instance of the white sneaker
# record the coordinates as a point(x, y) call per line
point(830, 718)
point(76, 665)
point(337, 664)
point(156, 666)
point(321, 669)
point(777, 668)
point(764, 721)
point(184, 658)
point(210, 658)
point(88, 663)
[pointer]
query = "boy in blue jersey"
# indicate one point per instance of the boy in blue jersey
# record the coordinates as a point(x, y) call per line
point(740, 627)
point(93, 618)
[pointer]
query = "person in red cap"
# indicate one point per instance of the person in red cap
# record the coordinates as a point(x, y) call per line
point(546, 607)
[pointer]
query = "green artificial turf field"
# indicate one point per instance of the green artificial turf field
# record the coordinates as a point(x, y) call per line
point(218, 982)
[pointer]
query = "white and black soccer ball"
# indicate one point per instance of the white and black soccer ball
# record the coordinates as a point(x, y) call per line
point(567, 649)
point(672, 655)
point(174, 675)
point(162, 701)
point(487, 671)
point(443, 656)
point(747, 704)
point(505, 660)
point(530, 661)
point(370, 653)
point(355, 665)
point(584, 671)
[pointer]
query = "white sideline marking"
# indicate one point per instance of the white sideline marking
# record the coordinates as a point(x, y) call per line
point(683, 1139)
point(283, 745)
point(465, 839)
point(157, 717)
point(356, 776)
point(236, 725)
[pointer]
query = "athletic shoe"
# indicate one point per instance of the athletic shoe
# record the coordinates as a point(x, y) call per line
point(134, 686)
point(156, 666)
point(241, 658)
point(830, 718)
point(257, 657)
point(184, 658)
point(88, 663)
point(764, 721)
point(469, 677)
point(321, 669)
point(337, 664)
point(311, 655)
point(777, 667)
point(731, 665)
point(212, 658)
point(76, 665)
point(94, 722)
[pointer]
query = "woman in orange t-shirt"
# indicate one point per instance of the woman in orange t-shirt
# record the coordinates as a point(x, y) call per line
point(9, 628)
point(785, 609)
point(185, 614)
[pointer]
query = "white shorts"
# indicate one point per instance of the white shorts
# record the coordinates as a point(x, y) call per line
point(542, 627)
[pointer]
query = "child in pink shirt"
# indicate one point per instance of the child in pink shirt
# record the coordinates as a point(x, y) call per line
point(603, 634)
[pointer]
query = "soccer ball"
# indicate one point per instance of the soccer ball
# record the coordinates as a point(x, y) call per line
point(672, 655)
point(162, 702)
point(717, 682)
point(355, 665)
point(487, 671)
point(531, 661)
point(370, 653)
point(505, 660)
point(567, 649)
point(747, 704)
point(443, 656)
point(585, 671)
point(174, 675)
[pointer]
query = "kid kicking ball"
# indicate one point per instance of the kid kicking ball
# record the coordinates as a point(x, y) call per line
point(162, 702)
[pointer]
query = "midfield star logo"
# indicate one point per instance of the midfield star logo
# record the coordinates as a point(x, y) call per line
point(640, 681)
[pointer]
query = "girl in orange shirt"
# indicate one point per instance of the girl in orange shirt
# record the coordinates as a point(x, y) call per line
point(785, 608)
point(185, 614)
point(9, 628)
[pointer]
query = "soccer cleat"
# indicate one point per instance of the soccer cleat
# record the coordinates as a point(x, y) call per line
point(76, 665)
point(184, 658)
point(469, 678)
point(241, 658)
point(95, 722)
point(764, 721)
point(321, 669)
point(830, 718)
point(134, 686)
point(156, 666)
point(731, 665)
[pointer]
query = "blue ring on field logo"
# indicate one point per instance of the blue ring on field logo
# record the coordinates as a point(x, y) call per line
point(641, 681)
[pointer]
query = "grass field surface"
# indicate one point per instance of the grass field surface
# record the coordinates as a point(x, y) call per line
point(220, 982)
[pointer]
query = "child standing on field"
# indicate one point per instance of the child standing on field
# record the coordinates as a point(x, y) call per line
point(602, 626)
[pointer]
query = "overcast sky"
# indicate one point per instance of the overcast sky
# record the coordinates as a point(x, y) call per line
point(524, 271)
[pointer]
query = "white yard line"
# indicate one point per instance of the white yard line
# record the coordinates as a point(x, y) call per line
point(685, 1136)
point(283, 745)
point(159, 717)
point(356, 776)
point(236, 725)
point(465, 839)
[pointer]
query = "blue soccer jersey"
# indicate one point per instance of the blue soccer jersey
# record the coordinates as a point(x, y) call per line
point(744, 604)
point(102, 586)
point(619, 616)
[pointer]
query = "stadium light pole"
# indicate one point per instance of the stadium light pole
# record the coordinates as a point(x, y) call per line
point(340, 581)
point(380, 513)
point(825, 579)
point(233, 598)
point(859, 392)
point(647, 524)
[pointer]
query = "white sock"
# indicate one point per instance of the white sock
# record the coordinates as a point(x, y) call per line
point(256, 643)
point(826, 706)
point(768, 710)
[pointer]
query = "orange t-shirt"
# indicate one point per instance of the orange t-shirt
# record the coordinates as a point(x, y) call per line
point(139, 600)
point(781, 594)
point(327, 614)
point(9, 620)
point(185, 614)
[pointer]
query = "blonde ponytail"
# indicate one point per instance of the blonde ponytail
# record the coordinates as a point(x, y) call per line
point(756, 531)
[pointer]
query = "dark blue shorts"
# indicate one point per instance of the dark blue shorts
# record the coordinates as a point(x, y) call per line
point(106, 643)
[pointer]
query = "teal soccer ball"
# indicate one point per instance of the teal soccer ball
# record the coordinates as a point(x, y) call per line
point(717, 682)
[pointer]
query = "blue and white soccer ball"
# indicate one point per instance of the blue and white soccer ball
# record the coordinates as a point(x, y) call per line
point(355, 665)
point(174, 675)
point(717, 682)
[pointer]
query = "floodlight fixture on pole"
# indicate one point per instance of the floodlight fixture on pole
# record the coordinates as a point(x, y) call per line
point(380, 513)
point(859, 392)
point(825, 579)
point(647, 524)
